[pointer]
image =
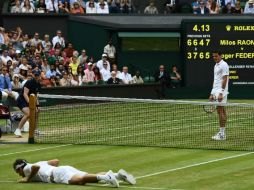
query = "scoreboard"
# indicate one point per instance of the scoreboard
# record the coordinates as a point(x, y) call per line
point(234, 39)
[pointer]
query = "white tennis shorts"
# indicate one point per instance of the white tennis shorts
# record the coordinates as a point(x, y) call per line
point(63, 174)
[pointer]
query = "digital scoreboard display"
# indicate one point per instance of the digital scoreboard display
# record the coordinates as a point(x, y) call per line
point(235, 40)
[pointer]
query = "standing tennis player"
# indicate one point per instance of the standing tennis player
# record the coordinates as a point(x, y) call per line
point(32, 86)
point(220, 92)
point(50, 172)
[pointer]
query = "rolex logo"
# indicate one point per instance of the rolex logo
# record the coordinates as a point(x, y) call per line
point(228, 28)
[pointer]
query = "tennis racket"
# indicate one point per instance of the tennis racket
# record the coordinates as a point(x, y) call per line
point(210, 108)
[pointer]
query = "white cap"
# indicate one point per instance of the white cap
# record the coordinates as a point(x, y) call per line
point(104, 55)
point(89, 63)
point(18, 51)
point(24, 68)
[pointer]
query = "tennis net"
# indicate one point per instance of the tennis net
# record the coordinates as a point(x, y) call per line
point(142, 122)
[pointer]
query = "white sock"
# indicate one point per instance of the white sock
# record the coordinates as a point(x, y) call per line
point(101, 177)
point(222, 130)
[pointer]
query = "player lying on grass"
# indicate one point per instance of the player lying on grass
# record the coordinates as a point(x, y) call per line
point(50, 172)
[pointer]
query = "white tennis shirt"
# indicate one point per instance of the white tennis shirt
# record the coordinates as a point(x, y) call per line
point(220, 69)
point(43, 174)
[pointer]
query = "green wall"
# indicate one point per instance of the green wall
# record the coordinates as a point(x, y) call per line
point(93, 38)
point(90, 37)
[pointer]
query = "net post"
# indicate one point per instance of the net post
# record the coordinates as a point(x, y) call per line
point(32, 110)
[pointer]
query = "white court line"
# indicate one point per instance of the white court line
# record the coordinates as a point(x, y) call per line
point(194, 165)
point(129, 187)
point(149, 188)
point(8, 181)
point(34, 150)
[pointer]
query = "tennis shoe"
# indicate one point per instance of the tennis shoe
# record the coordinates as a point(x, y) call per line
point(17, 132)
point(111, 179)
point(124, 176)
point(219, 137)
point(38, 132)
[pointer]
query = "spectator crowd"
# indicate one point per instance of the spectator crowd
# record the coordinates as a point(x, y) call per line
point(127, 6)
point(58, 62)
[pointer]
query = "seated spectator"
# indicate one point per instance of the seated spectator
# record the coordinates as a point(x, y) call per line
point(202, 9)
point(249, 8)
point(44, 80)
point(5, 57)
point(75, 80)
point(64, 7)
point(238, 8)
point(35, 40)
point(45, 66)
point(16, 40)
point(51, 72)
point(52, 6)
point(39, 49)
point(25, 41)
point(82, 3)
point(65, 81)
point(77, 9)
point(2, 36)
point(175, 77)
point(97, 74)
point(27, 8)
point(114, 6)
point(69, 50)
point(125, 6)
point(83, 57)
point(105, 72)
point(58, 38)
point(59, 70)
point(15, 81)
point(214, 8)
point(23, 73)
point(16, 8)
point(52, 82)
point(102, 7)
point(101, 62)
point(232, 2)
point(113, 79)
point(92, 2)
point(125, 76)
point(89, 76)
point(65, 59)
point(228, 9)
point(162, 76)
point(170, 6)
point(5, 85)
point(46, 44)
point(91, 8)
point(14, 69)
point(137, 79)
point(74, 64)
point(24, 64)
point(80, 73)
point(151, 8)
point(41, 7)
point(114, 68)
